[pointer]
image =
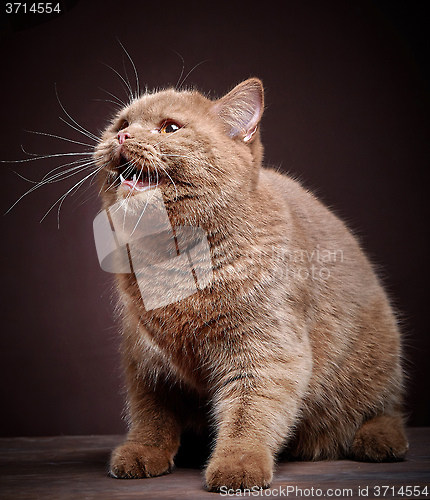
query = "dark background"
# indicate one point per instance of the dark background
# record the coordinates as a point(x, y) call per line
point(347, 113)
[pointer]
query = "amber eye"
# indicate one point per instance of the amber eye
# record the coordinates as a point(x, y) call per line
point(168, 127)
point(123, 125)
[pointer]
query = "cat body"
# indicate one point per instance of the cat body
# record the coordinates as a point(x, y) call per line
point(293, 345)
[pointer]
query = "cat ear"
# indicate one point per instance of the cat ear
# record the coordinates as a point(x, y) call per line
point(241, 108)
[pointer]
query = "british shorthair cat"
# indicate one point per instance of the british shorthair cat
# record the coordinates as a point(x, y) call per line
point(290, 346)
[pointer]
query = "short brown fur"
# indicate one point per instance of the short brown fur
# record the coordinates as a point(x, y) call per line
point(271, 355)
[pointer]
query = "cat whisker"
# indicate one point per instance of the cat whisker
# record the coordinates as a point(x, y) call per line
point(60, 176)
point(24, 178)
point(134, 68)
point(75, 188)
point(127, 169)
point(132, 96)
point(48, 178)
point(182, 70)
point(126, 85)
point(59, 137)
point(51, 179)
point(191, 70)
point(82, 200)
point(89, 135)
point(112, 186)
point(80, 128)
point(88, 186)
point(119, 106)
point(76, 162)
point(117, 99)
point(65, 170)
point(27, 152)
point(44, 157)
point(69, 191)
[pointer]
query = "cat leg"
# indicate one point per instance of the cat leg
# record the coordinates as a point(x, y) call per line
point(380, 439)
point(154, 436)
point(255, 415)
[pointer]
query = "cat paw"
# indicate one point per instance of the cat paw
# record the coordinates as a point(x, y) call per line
point(239, 470)
point(381, 439)
point(135, 460)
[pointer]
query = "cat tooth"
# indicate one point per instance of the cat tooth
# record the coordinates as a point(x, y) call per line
point(134, 179)
point(121, 178)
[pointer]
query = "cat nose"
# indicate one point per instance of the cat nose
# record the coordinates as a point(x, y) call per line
point(122, 136)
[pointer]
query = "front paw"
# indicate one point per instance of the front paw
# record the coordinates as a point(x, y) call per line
point(239, 469)
point(135, 460)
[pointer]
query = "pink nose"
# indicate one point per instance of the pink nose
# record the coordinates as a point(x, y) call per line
point(122, 136)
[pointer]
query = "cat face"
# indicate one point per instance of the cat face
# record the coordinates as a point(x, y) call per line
point(198, 152)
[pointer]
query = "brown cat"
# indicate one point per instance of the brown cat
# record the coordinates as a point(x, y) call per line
point(291, 346)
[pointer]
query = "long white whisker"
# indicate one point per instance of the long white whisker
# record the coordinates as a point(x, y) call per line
point(114, 96)
point(27, 152)
point(66, 173)
point(75, 187)
point(48, 181)
point(24, 178)
point(134, 69)
point(59, 137)
point(182, 70)
point(191, 70)
point(127, 78)
point(76, 162)
point(129, 91)
point(85, 192)
point(102, 186)
point(50, 172)
point(128, 169)
point(92, 136)
point(108, 188)
point(46, 156)
point(81, 129)
point(64, 196)
point(119, 106)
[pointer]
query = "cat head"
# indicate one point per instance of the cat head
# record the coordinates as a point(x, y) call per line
point(200, 153)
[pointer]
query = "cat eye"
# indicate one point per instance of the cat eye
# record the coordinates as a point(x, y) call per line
point(168, 127)
point(123, 125)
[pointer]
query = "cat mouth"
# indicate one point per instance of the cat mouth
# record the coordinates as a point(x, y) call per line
point(134, 178)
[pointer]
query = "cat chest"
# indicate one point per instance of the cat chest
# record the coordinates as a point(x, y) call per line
point(180, 353)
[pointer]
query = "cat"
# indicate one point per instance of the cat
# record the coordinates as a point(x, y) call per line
point(293, 347)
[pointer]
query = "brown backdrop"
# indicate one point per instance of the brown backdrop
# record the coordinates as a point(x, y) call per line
point(347, 113)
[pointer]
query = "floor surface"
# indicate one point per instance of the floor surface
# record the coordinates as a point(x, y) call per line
point(75, 467)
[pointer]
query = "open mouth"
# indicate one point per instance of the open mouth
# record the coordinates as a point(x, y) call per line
point(136, 178)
